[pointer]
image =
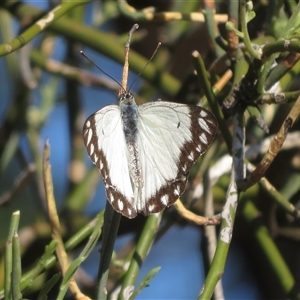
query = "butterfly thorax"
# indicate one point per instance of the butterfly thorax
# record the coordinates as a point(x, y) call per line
point(129, 114)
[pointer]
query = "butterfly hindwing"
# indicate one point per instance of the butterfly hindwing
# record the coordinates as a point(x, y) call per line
point(104, 139)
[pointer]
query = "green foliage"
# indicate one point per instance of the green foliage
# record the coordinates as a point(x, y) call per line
point(247, 65)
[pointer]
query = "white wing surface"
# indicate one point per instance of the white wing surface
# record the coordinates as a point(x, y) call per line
point(105, 142)
point(171, 138)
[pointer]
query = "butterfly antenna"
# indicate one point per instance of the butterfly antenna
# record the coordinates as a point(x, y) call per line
point(84, 55)
point(158, 45)
point(126, 63)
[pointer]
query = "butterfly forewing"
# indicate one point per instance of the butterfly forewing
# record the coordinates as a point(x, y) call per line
point(104, 139)
point(171, 138)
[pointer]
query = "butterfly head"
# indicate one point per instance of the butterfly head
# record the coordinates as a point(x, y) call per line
point(126, 98)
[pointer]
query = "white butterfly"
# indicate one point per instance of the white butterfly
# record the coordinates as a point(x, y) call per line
point(144, 153)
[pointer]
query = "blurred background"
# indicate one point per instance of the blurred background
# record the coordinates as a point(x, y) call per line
point(48, 90)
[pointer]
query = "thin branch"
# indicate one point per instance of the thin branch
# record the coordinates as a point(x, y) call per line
point(244, 19)
point(275, 147)
point(16, 273)
point(278, 98)
point(229, 210)
point(276, 195)
point(112, 218)
point(209, 231)
point(126, 62)
point(61, 69)
point(14, 224)
point(208, 91)
point(18, 185)
point(110, 230)
point(48, 260)
point(277, 263)
point(54, 222)
point(107, 44)
point(196, 219)
point(39, 26)
point(142, 249)
point(149, 14)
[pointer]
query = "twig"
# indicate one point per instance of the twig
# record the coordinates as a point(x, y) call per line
point(16, 272)
point(18, 184)
point(276, 195)
point(48, 259)
point(14, 224)
point(231, 38)
point(112, 218)
point(57, 68)
point(142, 249)
point(243, 19)
point(107, 44)
point(211, 26)
point(208, 91)
point(54, 221)
point(52, 212)
point(223, 164)
point(209, 231)
point(272, 152)
point(25, 67)
point(281, 69)
point(90, 245)
point(276, 262)
point(199, 220)
point(277, 98)
point(149, 14)
point(224, 79)
point(126, 61)
point(39, 26)
point(229, 211)
point(291, 45)
point(110, 230)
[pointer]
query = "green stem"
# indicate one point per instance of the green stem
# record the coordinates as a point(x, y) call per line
point(247, 41)
point(212, 27)
point(51, 260)
point(229, 210)
point(110, 230)
point(39, 26)
point(142, 249)
point(16, 273)
point(208, 91)
point(108, 45)
point(9, 254)
point(271, 252)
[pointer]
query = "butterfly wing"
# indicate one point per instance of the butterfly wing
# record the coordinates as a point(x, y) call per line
point(171, 138)
point(105, 142)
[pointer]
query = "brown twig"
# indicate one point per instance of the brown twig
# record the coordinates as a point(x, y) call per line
point(61, 253)
point(149, 14)
point(199, 220)
point(126, 63)
point(273, 150)
point(18, 185)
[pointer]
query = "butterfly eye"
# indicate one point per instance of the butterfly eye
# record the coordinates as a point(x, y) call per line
point(126, 98)
point(121, 98)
